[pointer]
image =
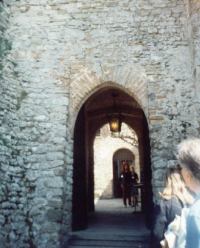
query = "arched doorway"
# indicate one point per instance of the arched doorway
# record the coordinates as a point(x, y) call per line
point(118, 157)
point(94, 114)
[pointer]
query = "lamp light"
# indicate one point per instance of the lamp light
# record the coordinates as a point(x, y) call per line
point(115, 118)
point(115, 124)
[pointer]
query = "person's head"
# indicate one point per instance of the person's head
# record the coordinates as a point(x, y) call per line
point(125, 166)
point(174, 186)
point(188, 154)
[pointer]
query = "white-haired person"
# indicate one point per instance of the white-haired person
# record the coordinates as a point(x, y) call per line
point(188, 155)
point(173, 198)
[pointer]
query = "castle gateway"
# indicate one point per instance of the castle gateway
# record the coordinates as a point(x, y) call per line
point(60, 64)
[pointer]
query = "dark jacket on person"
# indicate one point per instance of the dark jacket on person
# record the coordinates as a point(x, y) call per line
point(164, 214)
point(126, 178)
point(135, 178)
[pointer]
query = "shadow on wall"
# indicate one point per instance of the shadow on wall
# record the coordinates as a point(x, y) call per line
point(105, 193)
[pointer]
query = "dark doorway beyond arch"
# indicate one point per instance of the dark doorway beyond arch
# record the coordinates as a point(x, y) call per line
point(118, 157)
point(94, 114)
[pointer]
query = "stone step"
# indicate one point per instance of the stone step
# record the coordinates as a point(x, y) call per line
point(97, 246)
point(129, 236)
point(76, 242)
point(106, 244)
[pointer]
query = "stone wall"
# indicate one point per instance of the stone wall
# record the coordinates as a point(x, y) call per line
point(35, 106)
point(45, 45)
point(194, 37)
point(154, 38)
point(12, 198)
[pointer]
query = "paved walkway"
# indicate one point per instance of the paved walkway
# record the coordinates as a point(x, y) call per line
point(113, 222)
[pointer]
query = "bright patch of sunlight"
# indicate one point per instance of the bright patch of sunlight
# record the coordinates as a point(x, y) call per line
point(105, 145)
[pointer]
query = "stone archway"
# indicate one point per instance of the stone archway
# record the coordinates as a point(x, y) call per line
point(132, 79)
point(88, 121)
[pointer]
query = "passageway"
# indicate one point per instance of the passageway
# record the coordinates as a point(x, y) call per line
point(93, 115)
point(112, 225)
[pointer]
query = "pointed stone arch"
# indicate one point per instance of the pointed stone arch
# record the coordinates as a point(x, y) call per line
point(132, 79)
point(81, 164)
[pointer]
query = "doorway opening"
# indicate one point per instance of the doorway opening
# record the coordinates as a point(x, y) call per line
point(93, 115)
point(109, 152)
point(120, 156)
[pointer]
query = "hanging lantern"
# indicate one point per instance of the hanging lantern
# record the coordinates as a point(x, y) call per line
point(115, 124)
point(115, 118)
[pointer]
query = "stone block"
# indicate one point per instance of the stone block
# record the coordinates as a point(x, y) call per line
point(54, 215)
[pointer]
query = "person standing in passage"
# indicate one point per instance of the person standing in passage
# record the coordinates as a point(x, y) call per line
point(134, 189)
point(173, 198)
point(189, 161)
point(126, 181)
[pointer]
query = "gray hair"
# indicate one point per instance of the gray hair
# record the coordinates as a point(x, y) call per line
point(189, 156)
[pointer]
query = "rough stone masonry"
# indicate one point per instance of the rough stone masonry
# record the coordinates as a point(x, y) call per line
point(44, 45)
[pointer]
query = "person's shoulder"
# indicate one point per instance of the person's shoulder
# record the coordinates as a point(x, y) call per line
point(171, 202)
point(163, 203)
point(196, 203)
point(194, 209)
point(176, 201)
